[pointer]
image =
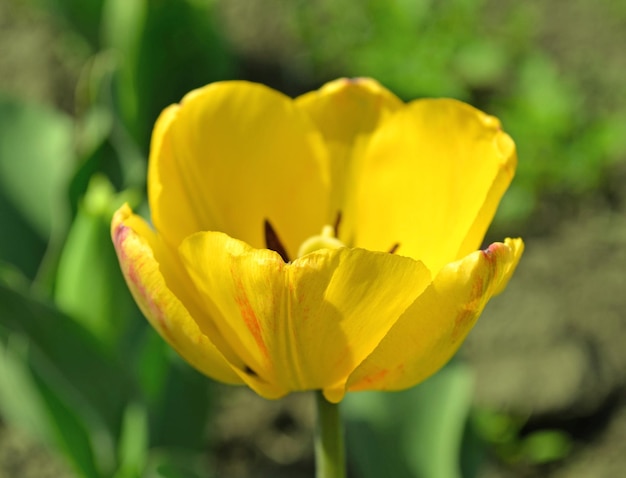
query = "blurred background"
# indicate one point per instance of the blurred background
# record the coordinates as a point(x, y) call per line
point(87, 389)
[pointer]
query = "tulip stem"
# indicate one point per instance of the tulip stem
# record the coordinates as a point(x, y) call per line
point(330, 459)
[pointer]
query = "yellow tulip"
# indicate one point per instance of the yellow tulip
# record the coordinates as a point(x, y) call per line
point(324, 243)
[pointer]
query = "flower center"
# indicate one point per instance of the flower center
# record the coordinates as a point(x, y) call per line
point(327, 239)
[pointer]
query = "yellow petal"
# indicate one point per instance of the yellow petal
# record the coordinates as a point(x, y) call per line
point(231, 155)
point(306, 324)
point(144, 261)
point(346, 111)
point(431, 179)
point(436, 324)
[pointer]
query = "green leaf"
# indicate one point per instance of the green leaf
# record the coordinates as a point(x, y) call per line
point(437, 426)
point(76, 436)
point(20, 245)
point(198, 44)
point(83, 15)
point(89, 286)
point(133, 446)
point(20, 400)
point(414, 433)
point(165, 463)
point(179, 419)
point(82, 386)
point(152, 364)
point(28, 401)
point(36, 161)
point(481, 63)
point(122, 27)
point(545, 446)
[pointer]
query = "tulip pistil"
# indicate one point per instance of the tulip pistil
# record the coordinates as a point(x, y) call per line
point(326, 240)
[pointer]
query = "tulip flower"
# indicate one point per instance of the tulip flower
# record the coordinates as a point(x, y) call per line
point(329, 242)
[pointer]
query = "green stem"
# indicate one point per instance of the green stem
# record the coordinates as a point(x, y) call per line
point(330, 459)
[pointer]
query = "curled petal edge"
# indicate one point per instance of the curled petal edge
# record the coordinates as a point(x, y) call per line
point(135, 244)
point(435, 325)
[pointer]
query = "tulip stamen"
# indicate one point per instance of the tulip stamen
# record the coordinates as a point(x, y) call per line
point(273, 243)
point(337, 223)
point(394, 248)
point(249, 371)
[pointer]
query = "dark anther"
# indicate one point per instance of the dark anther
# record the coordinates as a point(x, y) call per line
point(249, 371)
point(272, 242)
point(394, 248)
point(337, 224)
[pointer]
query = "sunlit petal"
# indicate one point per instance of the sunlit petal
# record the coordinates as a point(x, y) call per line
point(231, 155)
point(431, 179)
point(306, 324)
point(144, 260)
point(346, 112)
point(433, 328)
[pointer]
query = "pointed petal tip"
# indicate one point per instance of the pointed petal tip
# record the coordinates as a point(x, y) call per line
point(118, 218)
point(515, 249)
point(263, 388)
point(356, 82)
point(505, 254)
point(335, 394)
point(433, 328)
point(361, 90)
point(506, 146)
point(503, 143)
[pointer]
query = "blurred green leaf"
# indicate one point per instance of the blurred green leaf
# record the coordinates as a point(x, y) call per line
point(133, 445)
point(103, 144)
point(71, 362)
point(20, 245)
point(83, 16)
point(36, 161)
point(497, 427)
point(545, 99)
point(179, 418)
point(12, 277)
point(152, 364)
point(410, 45)
point(505, 435)
point(428, 421)
point(90, 287)
point(20, 400)
point(481, 63)
point(181, 464)
point(27, 400)
point(75, 354)
point(181, 49)
point(77, 436)
point(93, 129)
point(122, 30)
point(437, 426)
point(545, 446)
